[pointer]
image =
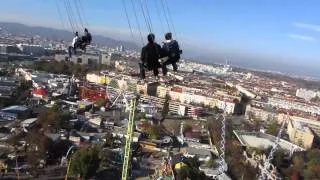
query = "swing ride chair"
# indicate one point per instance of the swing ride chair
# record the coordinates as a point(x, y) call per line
point(76, 20)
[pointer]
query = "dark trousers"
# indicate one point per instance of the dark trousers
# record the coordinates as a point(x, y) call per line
point(70, 49)
point(143, 71)
point(165, 69)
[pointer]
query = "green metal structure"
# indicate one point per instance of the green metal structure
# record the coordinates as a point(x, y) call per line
point(128, 150)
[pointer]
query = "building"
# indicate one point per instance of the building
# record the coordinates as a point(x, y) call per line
point(174, 106)
point(93, 93)
point(299, 133)
point(245, 91)
point(90, 59)
point(29, 123)
point(39, 92)
point(6, 49)
point(307, 94)
point(260, 113)
point(14, 113)
point(31, 49)
point(264, 141)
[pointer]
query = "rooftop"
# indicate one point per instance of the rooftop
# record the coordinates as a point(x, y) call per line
point(264, 141)
point(302, 126)
point(15, 108)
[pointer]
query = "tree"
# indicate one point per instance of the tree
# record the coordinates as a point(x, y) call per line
point(212, 163)
point(38, 146)
point(50, 120)
point(85, 162)
point(278, 159)
point(165, 108)
point(298, 163)
point(153, 131)
point(193, 169)
point(109, 140)
point(59, 149)
point(187, 128)
point(142, 115)
point(273, 128)
point(101, 102)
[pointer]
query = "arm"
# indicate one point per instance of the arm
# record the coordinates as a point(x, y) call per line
point(74, 41)
point(143, 55)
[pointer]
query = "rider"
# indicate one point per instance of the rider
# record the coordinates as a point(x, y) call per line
point(172, 52)
point(73, 47)
point(150, 55)
point(84, 40)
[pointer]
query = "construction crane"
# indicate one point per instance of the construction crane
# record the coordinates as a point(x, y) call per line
point(130, 129)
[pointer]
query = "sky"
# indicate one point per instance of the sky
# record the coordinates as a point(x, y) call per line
point(280, 35)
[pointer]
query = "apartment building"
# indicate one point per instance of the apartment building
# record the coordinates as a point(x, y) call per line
point(300, 134)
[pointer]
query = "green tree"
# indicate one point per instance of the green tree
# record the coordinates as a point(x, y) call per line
point(50, 120)
point(101, 102)
point(187, 128)
point(85, 162)
point(142, 115)
point(278, 159)
point(38, 146)
point(153, 131)
point(273, 128)
point(109, 140)
point(298, 163)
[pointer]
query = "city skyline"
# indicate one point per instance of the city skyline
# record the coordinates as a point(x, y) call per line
point(266, 35)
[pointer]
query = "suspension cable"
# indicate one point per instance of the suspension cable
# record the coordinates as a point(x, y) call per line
point(137, 21)
point(72, 15)
point(144, 16)
point(148, 14)
point(69, 16)
point(159, 16)
point(128, 19)
point(84, 13)
point(170, 18)
point(165, 15)
point(59, 13)
point(76, 5)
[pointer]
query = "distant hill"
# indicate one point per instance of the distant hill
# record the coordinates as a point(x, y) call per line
point(58, 34)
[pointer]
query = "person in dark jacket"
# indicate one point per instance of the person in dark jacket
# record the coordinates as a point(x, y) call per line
point(150, 55)
point(84, 40)
point(172, 53)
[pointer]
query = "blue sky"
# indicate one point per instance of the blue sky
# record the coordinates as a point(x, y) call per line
point(284, 31)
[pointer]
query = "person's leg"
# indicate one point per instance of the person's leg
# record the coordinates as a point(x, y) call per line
point(175, 66)
point(69, 51)
point(164, 69)
point(142, 71)
point(156, 72)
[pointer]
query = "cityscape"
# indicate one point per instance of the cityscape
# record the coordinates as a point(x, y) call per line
point(86, 113)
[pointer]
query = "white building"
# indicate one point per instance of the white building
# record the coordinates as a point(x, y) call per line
point(31, 49)
point(294, 105)
point(307, 94)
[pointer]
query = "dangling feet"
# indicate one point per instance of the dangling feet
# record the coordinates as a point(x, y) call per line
point(157, 78)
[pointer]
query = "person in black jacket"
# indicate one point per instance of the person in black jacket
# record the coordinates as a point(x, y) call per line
point(84, 40)
point(172, 53)
point(150, 55)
